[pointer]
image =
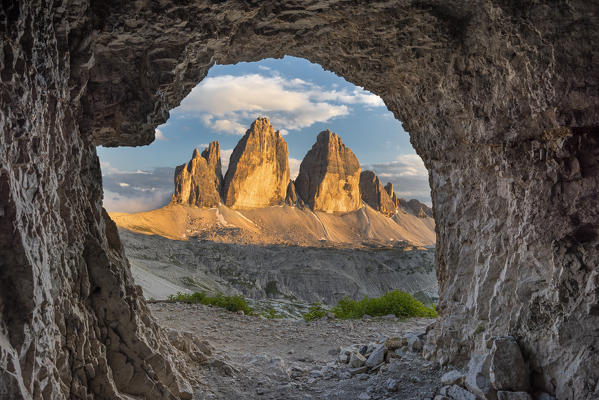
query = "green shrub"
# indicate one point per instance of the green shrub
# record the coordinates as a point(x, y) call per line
point(396, 302)
point(231, 303)
point(315, 311)
point(271, 313)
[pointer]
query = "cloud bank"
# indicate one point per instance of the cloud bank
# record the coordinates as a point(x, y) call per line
point(137, 191)
point(229, 103)
point(408, 175)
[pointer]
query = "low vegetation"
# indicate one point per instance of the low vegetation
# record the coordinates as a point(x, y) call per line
point(315, 311)
point(396, 302)
point(231, 303)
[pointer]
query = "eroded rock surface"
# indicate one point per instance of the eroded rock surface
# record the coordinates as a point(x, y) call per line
point(197, 183)
point(258, 173)
point(501, 100)
point(374, 194)
point(292, 197)
point(329, 177)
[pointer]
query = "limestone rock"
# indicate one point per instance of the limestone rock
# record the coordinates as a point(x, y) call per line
point(258, 173)
point(376, 357)
point(505, 395)
point(392, 194)
point(501, 101)
point(329, 176)
point(416, 208)
point(212, 156)
point(477, 378)
point(356, 360)
point(198, 182)
point(453, 377)
point(291, 197)
point(507, 370)
point(374, 194)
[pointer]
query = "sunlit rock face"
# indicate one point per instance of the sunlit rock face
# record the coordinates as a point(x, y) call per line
point(374, 193)
point(197, 183)
point(501, 100)
point(329, 176)
point(258, 173)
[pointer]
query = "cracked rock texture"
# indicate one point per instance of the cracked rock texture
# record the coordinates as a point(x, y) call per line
point(258, 173)
point(501, 100)
point(197, 183)
point(329, 176)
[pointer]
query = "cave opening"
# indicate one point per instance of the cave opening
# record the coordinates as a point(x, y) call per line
point(495, 96)
point(365, 228)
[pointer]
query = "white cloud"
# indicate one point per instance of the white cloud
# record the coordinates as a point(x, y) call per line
point(116, 202)
point(408, 175)
point(159, 135)
point(229, 103)
point(294, 165)
point(225, 155)
point(123, 184)
point(202, 145)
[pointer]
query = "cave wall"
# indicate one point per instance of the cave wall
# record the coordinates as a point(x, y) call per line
point(501, 100)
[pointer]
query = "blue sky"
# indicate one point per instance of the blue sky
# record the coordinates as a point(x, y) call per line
point(300, 98)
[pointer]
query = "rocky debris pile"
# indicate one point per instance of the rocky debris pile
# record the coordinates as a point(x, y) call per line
point(258, 173)
point(369, 358)
point(329, 176)
point(375, 195)
point(198, 182)
point(501, 374)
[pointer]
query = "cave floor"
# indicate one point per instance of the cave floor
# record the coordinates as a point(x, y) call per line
point(257, 358)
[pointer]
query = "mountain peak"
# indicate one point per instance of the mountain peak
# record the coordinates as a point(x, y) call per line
point(198, 182)
point(258, 173)
point(329, 176)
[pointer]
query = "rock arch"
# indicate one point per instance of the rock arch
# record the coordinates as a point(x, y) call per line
point(501, 100)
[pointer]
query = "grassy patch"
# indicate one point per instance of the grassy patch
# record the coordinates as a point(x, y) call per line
point(315, 311)
point(396, 302)
point(271, 313)
point(231, 303)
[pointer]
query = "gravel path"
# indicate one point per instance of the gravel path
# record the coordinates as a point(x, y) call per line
point(258, 358)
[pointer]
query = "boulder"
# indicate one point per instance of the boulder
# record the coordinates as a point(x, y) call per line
point(376, 357)
point(374, 194)
point(456, 392)
point(329, 176)
point(507, 370)
point(415, 343)
point(505, 395)
point(395, 343)
point(356, 360)
point(391, 385)
point(258, 173)
point(453, 378)
point(477, 378)
point(197, 183)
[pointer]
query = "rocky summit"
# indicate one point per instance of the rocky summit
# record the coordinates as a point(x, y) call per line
point(258, 173)
point(375, 195)
point(198, 182)
point(329, 176)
